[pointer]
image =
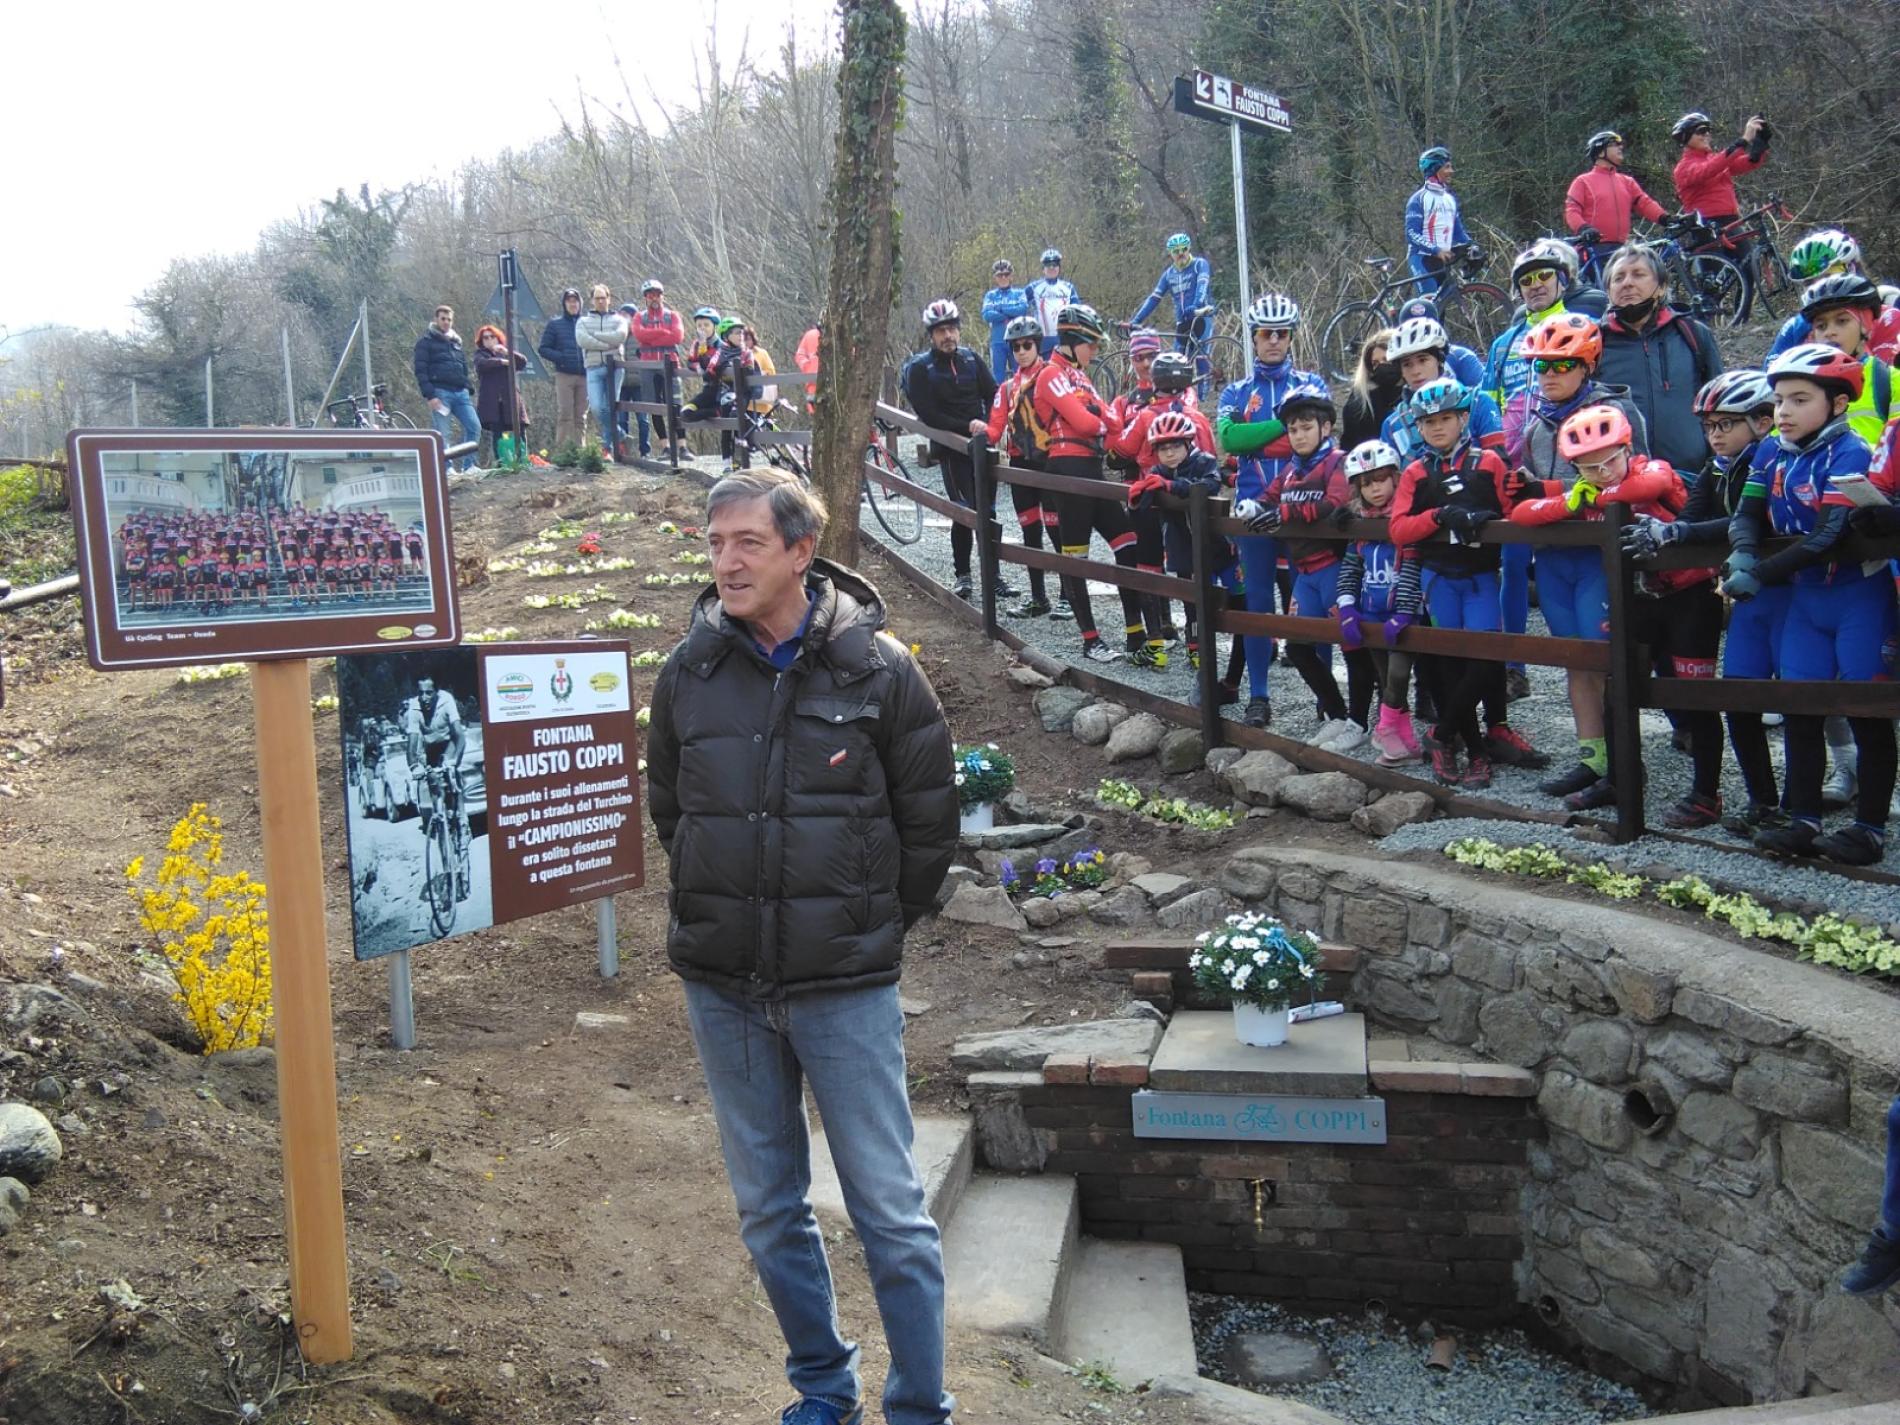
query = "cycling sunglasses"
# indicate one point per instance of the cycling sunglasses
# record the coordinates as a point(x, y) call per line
point(1536, 275)
point(1543, 364)
point(1026, 343)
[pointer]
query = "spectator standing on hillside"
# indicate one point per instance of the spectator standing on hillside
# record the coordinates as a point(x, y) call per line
point(602, 335)
point(1661, 355)
point(657, 332)
point(1002, 304)
point(1048, 295)
point(563, 353)
point(802, 848)
point(492, 359)
point(441, 368)
point(1705, 182)
point(1433, 226)
point(1601, 198)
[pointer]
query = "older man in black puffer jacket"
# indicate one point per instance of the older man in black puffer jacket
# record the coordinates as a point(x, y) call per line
point(800, 779)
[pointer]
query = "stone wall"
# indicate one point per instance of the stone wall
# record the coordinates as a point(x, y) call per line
point(1716, 1114)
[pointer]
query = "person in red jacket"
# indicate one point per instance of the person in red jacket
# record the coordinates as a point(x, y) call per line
point(1601, 198)
point(1012, 429)
point(656, 331)
point(1705, 182)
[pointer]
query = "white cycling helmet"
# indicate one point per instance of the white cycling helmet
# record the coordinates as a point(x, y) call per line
point(1416, 334)
point(939, 312)
point(1369, 456)
point(1547, 252)
point(1273, 311)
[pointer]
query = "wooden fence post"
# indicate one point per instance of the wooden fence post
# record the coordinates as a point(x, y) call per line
point(1208, 601)
point(1623, 691)
point(989, 534)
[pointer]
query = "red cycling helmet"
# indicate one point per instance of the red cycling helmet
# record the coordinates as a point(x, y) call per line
point(1170, 425)
point(1815, 361)
point(1570, 336)
point(1592, 429)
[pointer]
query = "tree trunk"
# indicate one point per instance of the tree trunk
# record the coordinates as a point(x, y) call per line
point(864, 260)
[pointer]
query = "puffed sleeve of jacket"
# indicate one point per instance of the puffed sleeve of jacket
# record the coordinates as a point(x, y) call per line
point(914, 746)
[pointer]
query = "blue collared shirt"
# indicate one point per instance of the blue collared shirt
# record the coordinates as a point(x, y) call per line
point(786, 653)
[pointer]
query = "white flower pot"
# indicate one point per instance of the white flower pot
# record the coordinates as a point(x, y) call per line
point(1263, 1028)
point(981, 817)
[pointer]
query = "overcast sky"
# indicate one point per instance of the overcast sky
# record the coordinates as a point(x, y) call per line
point(146, 131)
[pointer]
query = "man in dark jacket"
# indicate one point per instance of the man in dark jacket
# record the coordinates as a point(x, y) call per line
point(950, 388)
point(1663, 356)
point(442, 377)
point(800, 780)
point(563, 353)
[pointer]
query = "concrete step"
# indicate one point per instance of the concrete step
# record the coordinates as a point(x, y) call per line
point(1008, 1254)
point(1211, 1402)
point(1127, 1310)
point(1833, 1409)
point(945, 1147)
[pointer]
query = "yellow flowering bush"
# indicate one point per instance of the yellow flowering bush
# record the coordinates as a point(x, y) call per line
point(212, 926)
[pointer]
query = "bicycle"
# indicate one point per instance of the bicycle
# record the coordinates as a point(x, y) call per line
point(900, 515)
point(1223, 351)
point(1710, 286)
point(1773, 280)
point(445, 843)
point(1472, 312)
point(368, 412)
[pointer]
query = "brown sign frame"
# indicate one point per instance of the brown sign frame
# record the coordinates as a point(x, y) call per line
point(112, 645)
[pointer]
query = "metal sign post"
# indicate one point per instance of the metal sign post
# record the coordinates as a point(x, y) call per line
point(507, 266)
point(609, 939)
point(1221, 100)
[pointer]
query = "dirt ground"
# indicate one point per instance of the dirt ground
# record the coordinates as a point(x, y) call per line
point(539, 1224)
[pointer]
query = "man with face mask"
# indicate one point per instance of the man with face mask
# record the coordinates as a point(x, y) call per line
point(1661, 355)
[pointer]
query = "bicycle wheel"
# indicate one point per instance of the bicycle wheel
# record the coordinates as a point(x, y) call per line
point(900, 515)
point(1345, 335)
point(1718, 288)
point(1474, 314)
point(1773, 284)
point(396, 420)
point(1104, 377)
point(438, 872)
point(1226, 363)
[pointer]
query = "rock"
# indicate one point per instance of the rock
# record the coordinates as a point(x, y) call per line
point(1854, 1345)
point(1181, 750)
point(1720, 1124)
point(1593, 1114)
point(13, 1200)
point(984, 905)
point(29, 1148)
point(1005, 838)
point(1745, 1306)
point(1004, 1140)
point(1040, 912)
point(1161, 886)
point(387, 1281)
point(1397, 998)
point(1486, 962)
point(1058, 706)
point(1391, 811)
point(1255, 777)
point(49, 1090)
point(30, 1005)
point(154, 1120)
point(1644, 995)
point(1691, 1056)
point(1374, 923)
point(1602, 1050)
point(911, 1008)
point(1023, 676)
point(1124, 866)
point(1221, 758)
point(1616, 1258)
point(1026, 1048)
point(72, 1125)
point(1141, 1009)
point(1138, 736)
point(1202, 910)
point(1324, 796)
point(1517, 1030)
point(1121, 908)
point(1277, 1358)
point(1078, 905)
point(1789, 1088)
point(1836, 1176)
point(1094, 723)
point(1248, 874)
point(595, 1019)
point(956, 876)
point(1057, 942)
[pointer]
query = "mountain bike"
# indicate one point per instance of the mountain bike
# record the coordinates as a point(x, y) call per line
point(1702, 282)
point(444, 849)
point(367, 412)
point(1221, 348)
point(901, 516)
point(1472, 312)
point(1774, 283)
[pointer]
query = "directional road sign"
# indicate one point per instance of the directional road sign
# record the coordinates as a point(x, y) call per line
point(1223, 100)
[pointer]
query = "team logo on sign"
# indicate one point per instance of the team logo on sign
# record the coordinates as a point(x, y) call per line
point(604, 682)
point(562, 683)
point(515, 687)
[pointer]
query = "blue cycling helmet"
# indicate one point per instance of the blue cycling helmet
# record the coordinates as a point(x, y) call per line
point(1434, 398)
point(1307, 396)
point(1180, 242)
point(1433, 159)
point(1418, 307)
point(711, 314)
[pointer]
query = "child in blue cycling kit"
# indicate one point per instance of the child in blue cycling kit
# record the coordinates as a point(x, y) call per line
point(1840, 619)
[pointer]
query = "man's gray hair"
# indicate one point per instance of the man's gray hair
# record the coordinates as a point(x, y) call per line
point(1637, 252)
point(796, 511)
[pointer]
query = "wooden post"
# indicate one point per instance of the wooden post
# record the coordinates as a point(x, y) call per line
point(300, 993)
point(989, 534)
point(1208, 601)
point(1625, 683)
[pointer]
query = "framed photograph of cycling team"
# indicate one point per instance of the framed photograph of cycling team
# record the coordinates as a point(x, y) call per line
point(486, 785)
point(206, 546)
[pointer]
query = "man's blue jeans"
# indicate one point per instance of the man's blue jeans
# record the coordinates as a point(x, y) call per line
point(1890, 1197)
point(603, 394)
point(1259, 559)
point(849, 1046)
point(458, 405)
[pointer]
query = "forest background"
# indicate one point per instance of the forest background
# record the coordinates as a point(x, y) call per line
point(1028, 124)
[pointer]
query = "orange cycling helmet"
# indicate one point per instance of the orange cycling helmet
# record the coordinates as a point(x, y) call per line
point(1170, 425)
point(1592, 429)
point(1568, 335)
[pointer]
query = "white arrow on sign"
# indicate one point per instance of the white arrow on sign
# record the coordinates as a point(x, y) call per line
point(1203, 85)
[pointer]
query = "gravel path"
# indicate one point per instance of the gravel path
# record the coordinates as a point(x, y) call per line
point(1543, 718)
point(1380, 1376)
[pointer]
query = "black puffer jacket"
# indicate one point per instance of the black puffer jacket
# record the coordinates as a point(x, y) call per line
point(440, 364)
point(810, 816)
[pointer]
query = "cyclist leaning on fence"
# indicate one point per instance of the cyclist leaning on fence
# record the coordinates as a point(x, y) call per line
point(1832, 253)
point(1433, 226)
point(1378, 583)
point(1247, 426)
point(1048, 295)
point(1128, 415)
point(1002, 304)
point(1663, 356)
point(950, 389)
point(1185, 282)
point(1842, 312)
point(1067, 405)
point(1601, 199)
point(722, 365)
point(1174, 460)
point(705, 339)
point(437, 739)
point(1013, 429)
point(1841, 619)
point(1705, 183)
point(1737, 410)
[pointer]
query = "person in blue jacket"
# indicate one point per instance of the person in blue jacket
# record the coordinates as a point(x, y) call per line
point(1433, 226)
point(1002, 304)
point(1184, 282)
point(1460, 360)
point(1246, 427)
point(1048, 295)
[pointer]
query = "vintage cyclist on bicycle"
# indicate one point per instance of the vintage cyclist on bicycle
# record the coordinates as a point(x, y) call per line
point(432, 722)
point(1184, 282)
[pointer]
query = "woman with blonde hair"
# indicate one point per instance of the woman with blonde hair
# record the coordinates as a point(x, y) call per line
point(1376, 390)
